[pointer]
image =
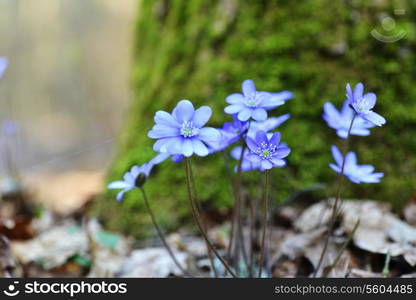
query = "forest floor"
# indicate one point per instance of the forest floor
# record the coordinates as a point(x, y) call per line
point(63, 241)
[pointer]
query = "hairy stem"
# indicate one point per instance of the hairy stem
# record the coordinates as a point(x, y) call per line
point(194, 209)
point(265, 217)
point(160, 233)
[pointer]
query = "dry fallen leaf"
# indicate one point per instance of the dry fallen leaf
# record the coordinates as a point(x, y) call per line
point(152, 262)
point(379, 230)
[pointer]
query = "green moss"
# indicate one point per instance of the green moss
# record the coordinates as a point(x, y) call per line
point(202, 50)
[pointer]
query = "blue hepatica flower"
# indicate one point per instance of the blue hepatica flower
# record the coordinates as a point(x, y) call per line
point(230, 132)
point(341, 120)
point(363, 104)
point(267, 151)
point(354, 172)
point(254, 104)
point(182, 132)
point(130, 179)
point(246, 164)
point(137, 176)
point(267, 125)
point(4, 62)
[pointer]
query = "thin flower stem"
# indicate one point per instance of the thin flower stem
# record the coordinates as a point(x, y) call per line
point(253, 218)
point(160, 233)
point(236, 212)
point(197, 220)
point(230, 244)
point(239, 206)
point(227, 163)
point(199, 209)
point(337, 200)
point(343, 247)
point(265, 217)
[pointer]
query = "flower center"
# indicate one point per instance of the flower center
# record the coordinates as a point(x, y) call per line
point(363, 105)
point(252, 100)
point(266, 151)
point(188, 129)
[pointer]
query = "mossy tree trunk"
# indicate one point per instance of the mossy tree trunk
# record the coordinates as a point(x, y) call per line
point(203, 49)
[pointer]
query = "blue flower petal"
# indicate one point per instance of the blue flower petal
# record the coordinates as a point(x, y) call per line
point(254, 158)
point(128, 177)
point(187, 148)
point(173, 146)
point(358, 91)
point(335, 168)
point(282, 96)
point(244, 114)
point(261, 137)
point(164, 118)
point(118, 185)
point(282, 152)
point(236, 152)
point(248, 88)
point(209, 134)
point(359, 132)
point(343, 133)
point(268, 101)
point(236, 98)
point(265, 164)
point(275, 140)
point(159, 158)
point(199, 148)
point(259, 114)
point(233, 109)
point(371, 98)
point(336, 154)
point(375, 118)
point(202, 115)
point(120, 195)
point(162, 131)
point(278, 162)
point(135, 171)
point(252, 144)
point(184, 111)
point(159, 145)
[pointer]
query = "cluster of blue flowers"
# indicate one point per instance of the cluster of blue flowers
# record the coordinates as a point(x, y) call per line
point(183, 133)
point(355, 118)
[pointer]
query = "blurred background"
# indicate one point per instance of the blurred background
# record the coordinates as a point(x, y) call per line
point(66, 87)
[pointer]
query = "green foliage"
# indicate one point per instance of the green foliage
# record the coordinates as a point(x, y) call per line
point(203, 49)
